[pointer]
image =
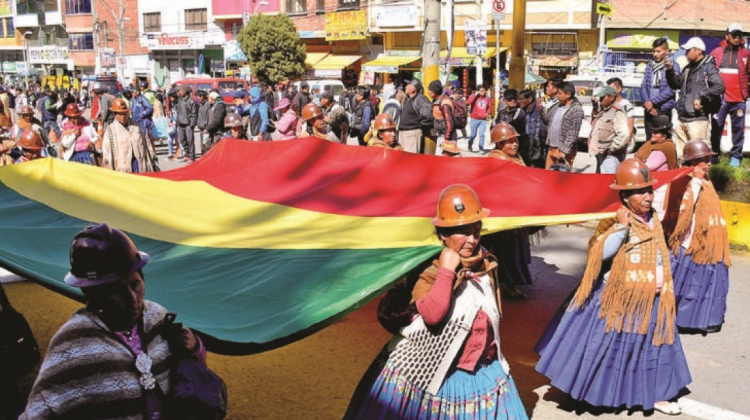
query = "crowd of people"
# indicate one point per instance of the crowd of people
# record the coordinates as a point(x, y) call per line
point(615, 343)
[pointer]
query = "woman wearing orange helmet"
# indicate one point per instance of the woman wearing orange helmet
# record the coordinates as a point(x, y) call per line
point(700, 248)
point(27, 121)
point(510, 246)
point(454, 316)
point(125, 147)
point(617, 342)
point(79, 137)
point(31, 146)
point(383, 133)
point(314, 122)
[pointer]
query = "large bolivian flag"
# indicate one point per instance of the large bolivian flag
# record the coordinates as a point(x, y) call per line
point(259, 244)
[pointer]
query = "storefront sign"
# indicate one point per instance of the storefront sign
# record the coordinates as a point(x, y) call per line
point(9, 67)
point(323, 74)
point(346, 25)
point(20, 66)
point(395, 16)
point(48, 54)
point(173, 42)
point(311, 34)
point(476, 37)
point(639, 39)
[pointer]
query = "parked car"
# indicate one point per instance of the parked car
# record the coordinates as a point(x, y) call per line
point(112, 85)
point(225, 85)
point(337, 87)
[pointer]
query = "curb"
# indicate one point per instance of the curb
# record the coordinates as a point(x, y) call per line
point(737, 216)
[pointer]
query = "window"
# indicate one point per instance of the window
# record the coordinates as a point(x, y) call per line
point(235, 29)
point(296, 6)
point(10, 31)
point(152, 22)
point(348, 4)
point(196, 19)
point(79, 42)
point(320, 6)
point(78, 7)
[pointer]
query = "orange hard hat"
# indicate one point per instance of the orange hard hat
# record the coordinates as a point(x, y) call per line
point(459, 205)
point(72, 110)
point(119, 106)
point(696, 149)
point(27, 110)
point(311, 111)
point(503, 131)
point(30, 140)
point(632, 174)
point(232, 120)
point(384, 122)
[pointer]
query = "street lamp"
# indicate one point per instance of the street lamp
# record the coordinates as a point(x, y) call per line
point(26, 55)
point(260, 3)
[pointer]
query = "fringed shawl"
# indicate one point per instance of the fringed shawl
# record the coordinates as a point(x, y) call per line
point(482, 263)
point(628, 297)
point(710, 242)
point(667, 147)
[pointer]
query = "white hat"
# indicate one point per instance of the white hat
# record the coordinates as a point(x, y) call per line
point(695, 42)
point(734, 27)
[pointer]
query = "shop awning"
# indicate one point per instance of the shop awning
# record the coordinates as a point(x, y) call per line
point(314, 58)
point(336, 62)
point(388, 64)
point(461, 57)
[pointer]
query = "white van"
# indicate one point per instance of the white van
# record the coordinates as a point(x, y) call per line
point(337, 88)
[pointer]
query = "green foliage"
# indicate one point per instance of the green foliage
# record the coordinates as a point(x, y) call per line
point(732, 184)
point(271, 44)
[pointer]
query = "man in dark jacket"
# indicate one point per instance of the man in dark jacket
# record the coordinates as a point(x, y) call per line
point(216, 115)
point(444, 123)
point(416, 117)
point(658, 98)
point(364, 113)
point(187, 119)
point(302, 97)
point(698, 82)
point(203, 109)
point(733, 60)
point(142, 111)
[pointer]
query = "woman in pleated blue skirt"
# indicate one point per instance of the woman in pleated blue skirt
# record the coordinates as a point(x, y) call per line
point(700, 248)
point(616, 344)
point(444, 361)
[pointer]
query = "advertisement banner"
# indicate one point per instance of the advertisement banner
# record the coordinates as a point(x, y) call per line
point(476, 37)
point(107, 57)
point(48, 54)
point(233, 51)
point(346, 25)
point(395, 16)
point(9, 67)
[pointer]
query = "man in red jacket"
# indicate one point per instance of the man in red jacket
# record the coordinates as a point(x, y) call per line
point(733, 61)
point(480, 108)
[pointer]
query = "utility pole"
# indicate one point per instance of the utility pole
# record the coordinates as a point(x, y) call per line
point(517, 60)
point(120, 29)
point(431, 43)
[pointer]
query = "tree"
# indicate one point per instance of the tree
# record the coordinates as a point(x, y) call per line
point(271, 44)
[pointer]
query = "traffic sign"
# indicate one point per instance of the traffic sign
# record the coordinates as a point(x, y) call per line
point(498, 16)
point(498, 6)
point(603, 9)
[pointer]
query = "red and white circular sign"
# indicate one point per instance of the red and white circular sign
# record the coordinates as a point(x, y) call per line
point(498, 6)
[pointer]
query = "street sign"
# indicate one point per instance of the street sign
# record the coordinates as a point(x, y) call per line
point(498, 6)
point(498, 16)
point(603, 9)
point(245, 18)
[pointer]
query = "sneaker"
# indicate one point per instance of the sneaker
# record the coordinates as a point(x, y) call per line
point(170, 157)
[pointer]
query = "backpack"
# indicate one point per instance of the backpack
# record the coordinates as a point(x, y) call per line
point(459, 114)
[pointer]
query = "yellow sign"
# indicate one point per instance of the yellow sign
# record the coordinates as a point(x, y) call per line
point(603, 9)
point(346, 25)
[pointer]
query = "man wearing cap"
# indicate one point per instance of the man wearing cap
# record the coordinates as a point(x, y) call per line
point(216, 115)
point(416, 116)
point(698, 83)
point(733, 60)
point(512, 114)
point(609, 135)
point(563, 121)
point(658, 98)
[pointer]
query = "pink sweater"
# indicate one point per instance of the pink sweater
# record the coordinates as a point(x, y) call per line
point(434, 307)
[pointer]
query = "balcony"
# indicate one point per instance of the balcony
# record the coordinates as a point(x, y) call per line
point(31, 20)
